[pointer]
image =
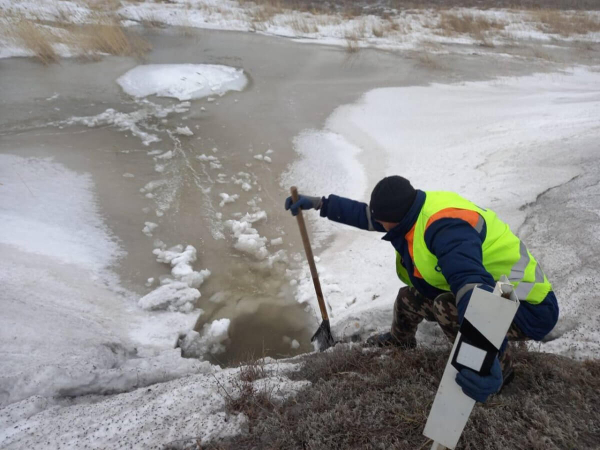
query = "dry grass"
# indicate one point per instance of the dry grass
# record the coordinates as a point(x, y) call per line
point(539, 52)
point(303, 25)
point(478, 27)
point(104, 5)
point(37, 39)
point(352, 45)
point(481, 27)
point(265, 13)
point(261, 15)
point(428, 61)
point(566, 24)
point(150, 20)
point(107, 36)
point(389, 26)
point(381, 399)
point(354, 8)
point(427, 56)
point(103, 36)
point(352, 41)
point(327, 20)
point(252, 369)
point(452, 24)
point(245, 398)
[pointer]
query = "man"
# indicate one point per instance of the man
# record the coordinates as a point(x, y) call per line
point(445, 246)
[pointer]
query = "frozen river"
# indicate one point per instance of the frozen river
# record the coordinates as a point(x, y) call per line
point(116, 204)
point(164, 174)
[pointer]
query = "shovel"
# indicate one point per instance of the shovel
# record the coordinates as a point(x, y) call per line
point(323, 336)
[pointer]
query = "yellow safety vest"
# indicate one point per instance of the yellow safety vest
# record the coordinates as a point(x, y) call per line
point(503, 252)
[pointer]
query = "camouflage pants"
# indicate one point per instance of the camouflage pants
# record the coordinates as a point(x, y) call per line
point(411, 308)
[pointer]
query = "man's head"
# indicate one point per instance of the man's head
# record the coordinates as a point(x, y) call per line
point(391, 199)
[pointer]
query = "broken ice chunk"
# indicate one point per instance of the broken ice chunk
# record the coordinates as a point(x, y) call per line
point(149, 228)
point(226, 198)
point(185, 131)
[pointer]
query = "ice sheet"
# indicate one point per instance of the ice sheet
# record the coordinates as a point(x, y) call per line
point(182, 81)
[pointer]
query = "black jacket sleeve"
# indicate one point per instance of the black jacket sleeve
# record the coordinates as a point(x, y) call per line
point(349, 212)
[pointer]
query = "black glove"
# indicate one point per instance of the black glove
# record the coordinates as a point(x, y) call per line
point(304, 202)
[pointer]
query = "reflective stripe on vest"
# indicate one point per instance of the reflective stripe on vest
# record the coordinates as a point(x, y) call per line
point(503, 252)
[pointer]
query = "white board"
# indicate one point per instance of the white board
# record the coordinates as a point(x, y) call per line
point(492, 315)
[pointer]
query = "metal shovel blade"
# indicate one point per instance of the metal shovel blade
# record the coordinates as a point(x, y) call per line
point(323, 336)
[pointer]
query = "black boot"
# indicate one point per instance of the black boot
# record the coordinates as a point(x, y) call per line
point(388, 340)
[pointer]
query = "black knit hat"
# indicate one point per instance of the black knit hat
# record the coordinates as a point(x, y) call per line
point(391, 199)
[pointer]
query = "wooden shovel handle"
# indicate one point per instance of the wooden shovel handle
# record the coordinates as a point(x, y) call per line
point(309, 256)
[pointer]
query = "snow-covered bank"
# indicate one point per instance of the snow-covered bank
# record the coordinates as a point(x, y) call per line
point(66, 325)
point(82, 364)
point(499, 143)
point(189, 408)
point(385, 27)
point(401, 28)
